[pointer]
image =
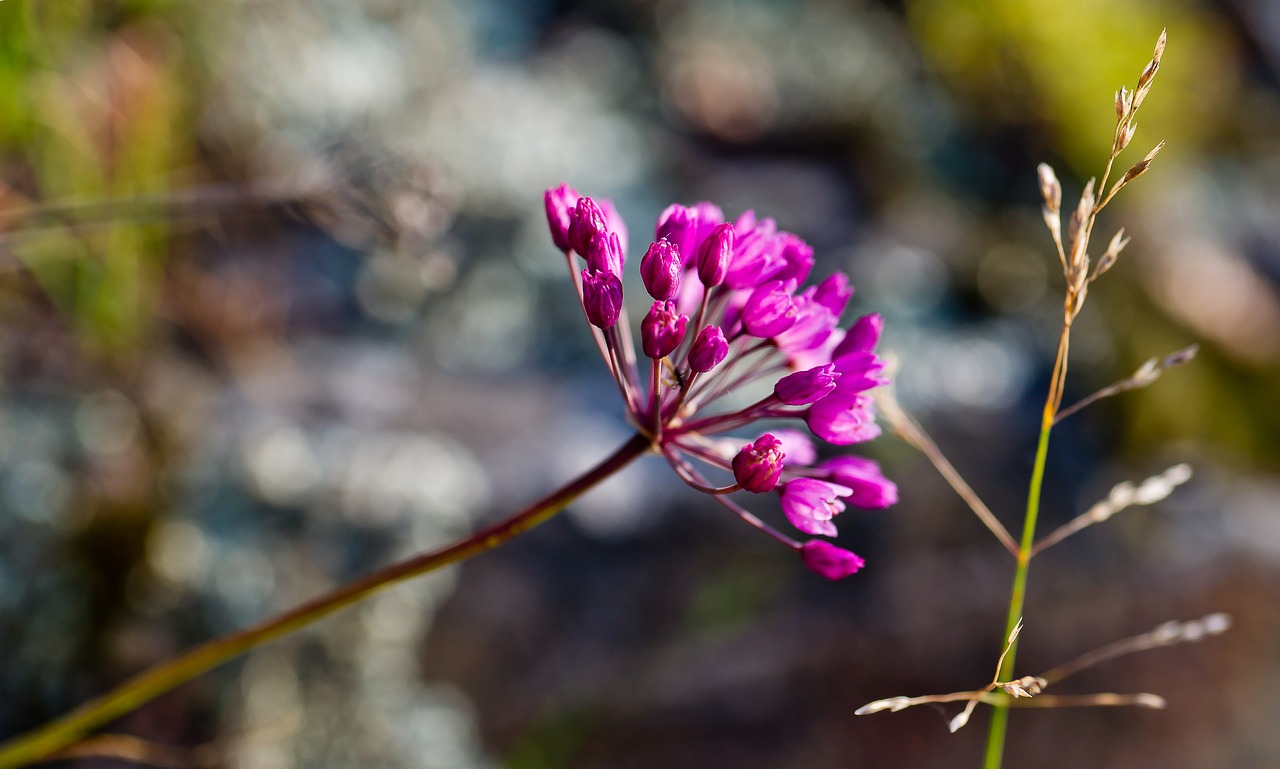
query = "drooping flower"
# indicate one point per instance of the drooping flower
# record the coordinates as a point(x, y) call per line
point(843, 418)
point(862, 476)
point(810, 504)
point(828, 560)
point(740, 281)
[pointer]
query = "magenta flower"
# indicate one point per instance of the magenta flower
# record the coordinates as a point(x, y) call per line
point(797, 445)
point(797, 257)
point(834, 293)
point(770, 310)
point(660, 269)
point(758, 466)
point(871, 490)
point(740, 282)
point(604, 253)
point(828, 560)
point(601, 298)
point(687, 226)
point(813, 326)
point(810, 505)
point(805, 387)
point(859, 372)
point(757, 252)
point(862, 335)
point(560, 202)
point(708, 350)
point(843, 418)
point(714, 255)
point(613, 220)
point(662, 330)
point(586, 221)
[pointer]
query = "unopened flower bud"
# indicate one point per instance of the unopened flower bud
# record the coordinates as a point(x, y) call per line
point(708, 349)
point(827, 560)
point(805, 387)
point(662, 330)
point(758, 466)
point(660, 269)
point(714, 255)
point(560, 202)
point(585, 222)
point(604, 253)
point(601, 297)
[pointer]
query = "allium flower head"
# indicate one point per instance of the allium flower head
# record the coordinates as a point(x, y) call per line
point(739, 284)
point(660, 269)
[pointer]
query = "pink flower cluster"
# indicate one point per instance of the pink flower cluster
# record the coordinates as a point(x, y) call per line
point(729, 316)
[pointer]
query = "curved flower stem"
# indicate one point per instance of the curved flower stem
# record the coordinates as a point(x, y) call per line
point(133, 693)
point(1017, 597)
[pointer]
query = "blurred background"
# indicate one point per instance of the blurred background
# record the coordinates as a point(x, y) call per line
point(278, 307)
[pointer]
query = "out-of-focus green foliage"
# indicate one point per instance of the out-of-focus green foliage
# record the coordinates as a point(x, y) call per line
point(92, 115)
point(1028, 60)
